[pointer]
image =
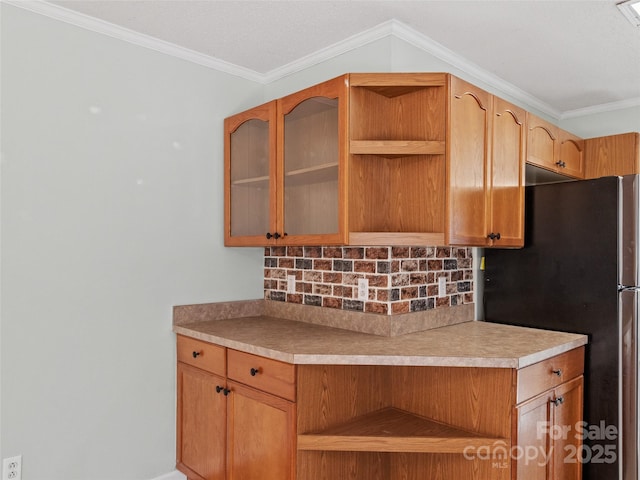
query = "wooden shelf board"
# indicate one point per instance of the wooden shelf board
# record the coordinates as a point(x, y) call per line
point(394, 84)
point(393, 430)
point(396, 238)
point(390, 148)
point(251, 180)
point(327, 172)
point(315, 168)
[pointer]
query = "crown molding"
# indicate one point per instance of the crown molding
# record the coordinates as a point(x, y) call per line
point(121, 33)
point(343, 46)
point(602, 108)
point(391, 28)
point(418, 40)
point(403, 32)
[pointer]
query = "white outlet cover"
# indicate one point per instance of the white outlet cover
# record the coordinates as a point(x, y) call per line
point(291, 284)
point(363, 289)
point(442, 286)
point(12, 468)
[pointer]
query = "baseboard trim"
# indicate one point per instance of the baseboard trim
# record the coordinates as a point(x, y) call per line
point(175, 475)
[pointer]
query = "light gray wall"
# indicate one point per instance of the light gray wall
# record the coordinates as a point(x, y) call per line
point(373, 57)
point(111, 198)
point(606, 123)
point(111, 203)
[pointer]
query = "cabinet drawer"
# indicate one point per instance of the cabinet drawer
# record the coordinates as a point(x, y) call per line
point(263, 373)
point(542, 376)
point(201, 354)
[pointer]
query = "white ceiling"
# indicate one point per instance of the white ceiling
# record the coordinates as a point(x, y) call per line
point(569, 55)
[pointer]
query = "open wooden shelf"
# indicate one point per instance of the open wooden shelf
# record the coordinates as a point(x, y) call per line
point(396, 238)
point(394, 430)
point(388, 148)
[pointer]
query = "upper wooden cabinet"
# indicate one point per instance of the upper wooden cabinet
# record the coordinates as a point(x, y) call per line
point(284, 169)
point(486, 169)
point(554, 149)
point(612, 155)
point(376, 159)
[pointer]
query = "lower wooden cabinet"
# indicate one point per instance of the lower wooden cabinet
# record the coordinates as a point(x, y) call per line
point(227, 430)
point(268, 420)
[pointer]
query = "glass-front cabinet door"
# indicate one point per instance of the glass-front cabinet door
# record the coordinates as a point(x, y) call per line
point(250, 177)
point(285, 170)
point(311, 158)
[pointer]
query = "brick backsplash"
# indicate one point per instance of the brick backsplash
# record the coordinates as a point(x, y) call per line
point(401, 279)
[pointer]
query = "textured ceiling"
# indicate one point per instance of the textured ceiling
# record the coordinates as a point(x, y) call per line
point(568, 54)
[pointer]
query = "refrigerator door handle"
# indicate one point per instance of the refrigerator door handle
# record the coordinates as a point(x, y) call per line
point(629, 310)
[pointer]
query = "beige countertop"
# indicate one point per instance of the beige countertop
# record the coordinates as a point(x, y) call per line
point(468, 344)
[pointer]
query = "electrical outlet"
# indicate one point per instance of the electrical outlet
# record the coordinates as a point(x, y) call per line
point(363, 289)
point(12, 468)
point(291, 284)
point(442, 286)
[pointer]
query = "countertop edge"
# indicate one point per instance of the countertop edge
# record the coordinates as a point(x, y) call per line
point(392, 360)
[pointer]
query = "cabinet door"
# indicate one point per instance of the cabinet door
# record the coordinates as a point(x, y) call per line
point(507, 174)
point(311, 155)
point(567, 412)
point(201, 424)
point(250, 177)
point(469, 147)
point(546, 435)
point(261, 435)
point(534, 419)
point(571, 156)
point(542, 143)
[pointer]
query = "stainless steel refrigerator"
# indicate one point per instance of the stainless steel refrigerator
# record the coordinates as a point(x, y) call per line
point(579, 272)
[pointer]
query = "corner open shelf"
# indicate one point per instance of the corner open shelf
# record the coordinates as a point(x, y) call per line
point(388, 148)
point(394, 430)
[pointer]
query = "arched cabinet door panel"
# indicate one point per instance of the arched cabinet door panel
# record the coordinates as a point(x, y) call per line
point(507, 174)
point(486, 169)
point(469, 149)
point(554, 149)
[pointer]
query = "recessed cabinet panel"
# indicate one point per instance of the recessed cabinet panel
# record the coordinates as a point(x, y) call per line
point(311, 156)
